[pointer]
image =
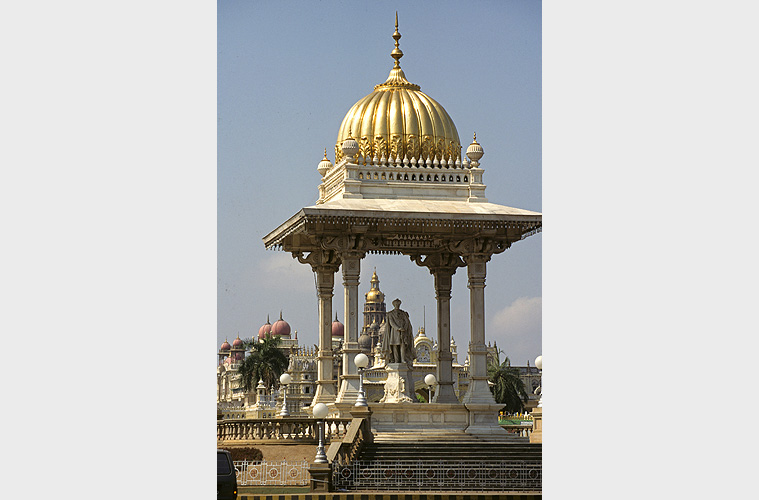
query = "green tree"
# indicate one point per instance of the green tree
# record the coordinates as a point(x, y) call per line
point(265, 362)
point(507, 388)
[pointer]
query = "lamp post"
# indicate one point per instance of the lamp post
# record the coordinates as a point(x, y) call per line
point(539, 366)
point(320, 411)
point(430, 380)
point(362, 361)
point(285, 380)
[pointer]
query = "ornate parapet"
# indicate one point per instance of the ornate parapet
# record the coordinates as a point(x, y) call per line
point(292, 430)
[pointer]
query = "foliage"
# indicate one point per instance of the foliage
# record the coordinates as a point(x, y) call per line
point(265, 362)
point(420, 398)
point(507, 387)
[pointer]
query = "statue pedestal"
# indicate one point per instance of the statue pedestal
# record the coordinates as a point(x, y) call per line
point(438, 422)
point(399, 387)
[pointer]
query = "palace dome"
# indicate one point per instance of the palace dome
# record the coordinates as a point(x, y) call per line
point(225, 346)
point(399, 120)
point(265, 329)
point(338, 330)
point(280, 327)
point(237, 343)
point(365, 342)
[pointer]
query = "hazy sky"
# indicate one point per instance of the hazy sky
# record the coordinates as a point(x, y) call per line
point(288, 72)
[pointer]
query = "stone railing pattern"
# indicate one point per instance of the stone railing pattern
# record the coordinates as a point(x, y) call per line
point(293, 429)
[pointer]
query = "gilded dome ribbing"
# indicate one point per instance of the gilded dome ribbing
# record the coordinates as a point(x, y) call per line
point(398, 120)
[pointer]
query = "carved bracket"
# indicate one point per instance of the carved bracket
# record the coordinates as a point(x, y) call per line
point(480, 246)
point(319, 259)
point(439, 262)
point(352, 245)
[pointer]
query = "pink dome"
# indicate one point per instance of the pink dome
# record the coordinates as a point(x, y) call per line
point(265, 329)
point(237, 342)
point(225, 346)
point(338, 330)
point(280, 327)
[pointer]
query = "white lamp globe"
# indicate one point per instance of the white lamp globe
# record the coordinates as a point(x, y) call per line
point(539, 362)
point(285, 379)
point(361, 360)
point(320, 410)
point(430, 379)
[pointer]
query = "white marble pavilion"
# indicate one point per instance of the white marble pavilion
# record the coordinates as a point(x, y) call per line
point(399, 185)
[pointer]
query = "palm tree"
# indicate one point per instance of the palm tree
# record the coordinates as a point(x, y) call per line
point(265, 362)
point(507, 387)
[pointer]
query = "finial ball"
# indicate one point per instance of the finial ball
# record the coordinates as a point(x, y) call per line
point(474, 152)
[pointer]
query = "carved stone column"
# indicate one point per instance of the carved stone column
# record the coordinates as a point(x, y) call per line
point(351, 265)
point(478, 391)
point(325, 264)
point(443, 266)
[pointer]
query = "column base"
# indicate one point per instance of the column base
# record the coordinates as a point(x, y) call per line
point(478, 392)
point(325, 392)
point(348, 389)
point(483, 423)
point(445, 393)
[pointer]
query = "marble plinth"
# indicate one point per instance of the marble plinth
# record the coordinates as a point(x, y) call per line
point(438, 422)
point(399, 386)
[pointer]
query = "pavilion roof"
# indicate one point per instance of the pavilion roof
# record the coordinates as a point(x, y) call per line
point(387, 215)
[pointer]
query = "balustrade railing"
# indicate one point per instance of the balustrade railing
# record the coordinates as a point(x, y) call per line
point(279, 429)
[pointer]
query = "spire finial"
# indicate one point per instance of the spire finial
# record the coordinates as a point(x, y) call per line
point(325, 153)
point(396, 53)
point(475, 137)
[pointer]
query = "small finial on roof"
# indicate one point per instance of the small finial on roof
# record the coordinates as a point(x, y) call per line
point(396, 53)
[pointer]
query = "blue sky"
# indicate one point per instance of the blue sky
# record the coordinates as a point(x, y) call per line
point(287, 74)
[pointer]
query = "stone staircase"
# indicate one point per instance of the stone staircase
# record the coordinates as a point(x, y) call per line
point(447, 451)
point(443, 466)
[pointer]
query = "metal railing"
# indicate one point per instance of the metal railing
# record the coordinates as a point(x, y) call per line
point(405, 475)
point(276, 473)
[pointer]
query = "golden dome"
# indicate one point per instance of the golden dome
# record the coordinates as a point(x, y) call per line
point(399, 120)
point(374, 296)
